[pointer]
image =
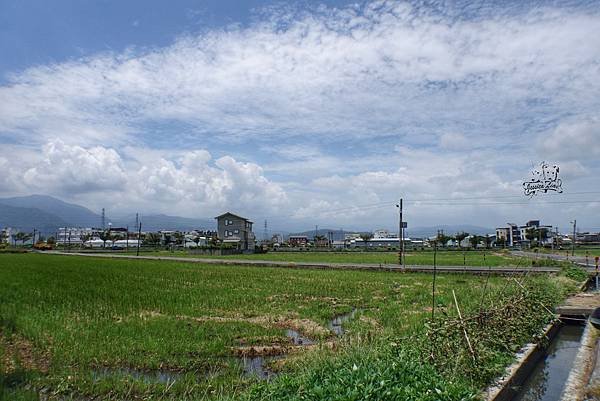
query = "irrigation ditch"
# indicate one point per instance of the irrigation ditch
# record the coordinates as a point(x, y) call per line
point(555, 368)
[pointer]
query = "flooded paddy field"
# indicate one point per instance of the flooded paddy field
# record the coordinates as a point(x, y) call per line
point(87, 328)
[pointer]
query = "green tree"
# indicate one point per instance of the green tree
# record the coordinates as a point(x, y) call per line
point(179, 238)
point(531, 235)
point(488, 241)
point(85, 238)
point(152, 239)
point(460, 237)
point(474, 240)
point(22, 237)
point(104, 236)
point(366, 237)
point(442, 239)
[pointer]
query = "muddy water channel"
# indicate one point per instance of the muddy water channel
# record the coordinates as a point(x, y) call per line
point(257, 366)
point(548, 378)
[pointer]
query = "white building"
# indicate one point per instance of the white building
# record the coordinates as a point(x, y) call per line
point(6, 235)
point(75, 235)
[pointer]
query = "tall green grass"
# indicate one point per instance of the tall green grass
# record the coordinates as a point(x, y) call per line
point(91, 313)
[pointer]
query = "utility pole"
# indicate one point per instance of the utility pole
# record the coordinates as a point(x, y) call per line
point(103, 221)
point(400, 234)
point(139, 239)
point(574, 237)
point(127, 240)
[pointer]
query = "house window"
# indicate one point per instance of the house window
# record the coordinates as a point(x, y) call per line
point(236, 231)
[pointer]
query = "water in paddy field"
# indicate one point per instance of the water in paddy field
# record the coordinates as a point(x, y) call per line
point(297, 338)
point(153, 376)
point(257, 366)
point(548, 378)
point(335, 324)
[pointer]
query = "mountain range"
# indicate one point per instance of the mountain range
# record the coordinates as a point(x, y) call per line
point(47, 214)
point(410, 232)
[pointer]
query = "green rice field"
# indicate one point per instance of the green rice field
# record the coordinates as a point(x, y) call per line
point(447, 258)
point(87, 328)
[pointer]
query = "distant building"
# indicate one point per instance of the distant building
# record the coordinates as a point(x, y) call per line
point(382, 233)
point(76, 235)
point(298, 241)
point(6, 235)
point(236, 230)
point(514, 235)
point(351, 236)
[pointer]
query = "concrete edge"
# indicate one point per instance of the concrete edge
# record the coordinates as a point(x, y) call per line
point(515, 375)
point(583, 366)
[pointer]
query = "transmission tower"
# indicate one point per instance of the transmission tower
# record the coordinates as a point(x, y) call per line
point(266, 232)
point(103, 219)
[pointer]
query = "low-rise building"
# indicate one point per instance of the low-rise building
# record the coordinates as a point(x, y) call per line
point(235, 230)
point(298, 241)
point(514, 235)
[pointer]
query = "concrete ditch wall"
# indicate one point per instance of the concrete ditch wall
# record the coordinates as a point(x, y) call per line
point(583, 367)
point(515, 375)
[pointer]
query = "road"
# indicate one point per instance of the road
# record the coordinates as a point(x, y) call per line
point(580, 260)
point(324, 265)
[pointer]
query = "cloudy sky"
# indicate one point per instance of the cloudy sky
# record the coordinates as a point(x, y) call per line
point(304, 113)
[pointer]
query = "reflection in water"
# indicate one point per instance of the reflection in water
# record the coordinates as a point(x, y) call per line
point(297, 338)
point(549, 376)
point(335, 324)
point(151, 376)
point(257, 366)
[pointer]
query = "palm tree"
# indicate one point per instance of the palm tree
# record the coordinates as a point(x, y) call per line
point(152, 239)
point(488, 241)
point(474, 240)
point(366, 237)
point(179, 238)
point(531, 235)
point(442, 239)
point(104, 236)
point(19, 236)
point(460, 237)
point(85, 238)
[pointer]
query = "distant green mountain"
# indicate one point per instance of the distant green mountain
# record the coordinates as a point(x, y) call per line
point(157, 222)
point(73, 214)
point(28, 218)
point(36, 211)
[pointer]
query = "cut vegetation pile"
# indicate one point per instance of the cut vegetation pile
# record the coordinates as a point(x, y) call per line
point(130, 329)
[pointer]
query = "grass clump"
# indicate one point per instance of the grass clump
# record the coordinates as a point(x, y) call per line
point(389, 372)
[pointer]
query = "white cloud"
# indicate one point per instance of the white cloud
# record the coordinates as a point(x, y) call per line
point(398, 65)
point(576, 140)
point(186, 183)
point(76, 169)
point(340, 107)
point(455, 141)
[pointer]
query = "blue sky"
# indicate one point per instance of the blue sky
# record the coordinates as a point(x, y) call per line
point(303, 112)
